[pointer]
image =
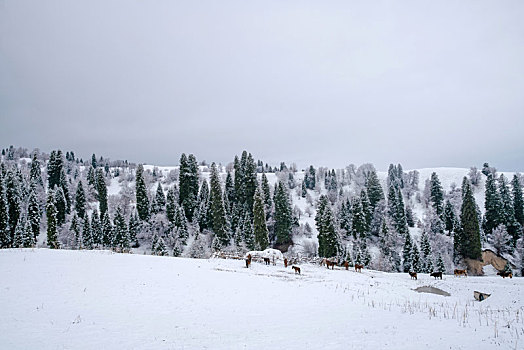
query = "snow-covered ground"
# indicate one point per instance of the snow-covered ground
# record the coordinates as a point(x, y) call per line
point(97, 299)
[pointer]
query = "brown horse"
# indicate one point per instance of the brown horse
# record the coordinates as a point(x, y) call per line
point(413, 275)
point(505, 274)
point(458, 272)
point(346, 265)
point(296, 268)
point(330, 263)
point(436, 275)
point(285, 262)
point(248, 260)
point(358, 267)
point(267, 261)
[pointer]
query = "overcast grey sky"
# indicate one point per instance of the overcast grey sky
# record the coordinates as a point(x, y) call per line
point(423, 83)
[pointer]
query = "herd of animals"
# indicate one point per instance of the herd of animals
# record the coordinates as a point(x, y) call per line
point(358, 268)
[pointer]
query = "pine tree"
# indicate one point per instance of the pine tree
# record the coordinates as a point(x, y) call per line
point(80, 200)
point(76, 241)
point(54, 169)
point(303, 191)
point(259, 222)
point(415, 264)
point(266, 193)
point(87, 234)
point(188, 185)
point(35, 174)
point(121, 236)
point(492, 205)
point(518, 200)
point(425, 247)
point(440, 264)
point(33, 213)
point(52, 238)
point(409, 217)
point(60, 205)
point(160, 198)
point(28, 238)
point(5, 231)
point(65, 189)
point(449, 216)
point(508, 210)
point(470, 232)
point(142, 201)
point(102, 190)
point(91, 181)
point(181, 225)
point(171, 205)
point(311, 178)
point(134, 224)
point(436, 194)
point(328, 244)
point(360, 226)
point(96, 229)
point(93, 161)
point(374, 189)
point(107, 231)
point(407, 254)
point(248, 233)
point(218, 212)
point(203, 206)
point(160, 248)
point(345, 218)
point(14, 201)
point(18, 239)
point(366, 208)
point(229, 189)
point(283, 215)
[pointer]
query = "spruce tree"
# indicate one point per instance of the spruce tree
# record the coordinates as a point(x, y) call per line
point(409, 216)
point(440, 264)
point(76, 241)
point(508, 210)
point(259, 222)
point(52, 237)
point(425, 247)
point(345, 218)
point(470, 240)
point(449, 216)
point(416, 263)
point(18, 239)
point(203, 206)
point(266, 193)
point(5, 231)
point(283, 215)
point(80, 200)
point(96, 229)
point(91, 180)
point(33, 213)
point(134, 224)
point(407, 254)
point(102, 190)
point(492, 205)
point(121, 236)
point(160, 198)
point(218, 212)
point(65, 189)
point(303, 190)
point(60, 205)
point(366, 207)
point(142, 201)
point(171, 205)
point(35, 174)
point(229, 189)
point(374, 189)
point(188, 185)
point(518, 200)
point(328, 243)
point(14, 201)
point(87, 234)
point(181, 225)
point(107, 231)
point(28, 238)
point(436, 194)
point(360, 226)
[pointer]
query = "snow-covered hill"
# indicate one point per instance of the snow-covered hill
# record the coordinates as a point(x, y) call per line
point(62, 299)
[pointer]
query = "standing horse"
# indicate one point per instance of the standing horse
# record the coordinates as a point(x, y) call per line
point(358, 267)
point(330, 263)
point(413, 275)
point(346, 265)
point(248, 260)
point(296, 268)
point(285, 262)
point(267, 261)
point(436, 275)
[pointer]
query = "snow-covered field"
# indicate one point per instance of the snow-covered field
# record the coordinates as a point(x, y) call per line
point(97, 299)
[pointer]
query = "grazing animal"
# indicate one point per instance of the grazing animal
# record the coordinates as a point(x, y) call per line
point(413, 275)
point(505, 274)
point(267, 261)
point(285, 262)
point(296, 268)
point(323, 262)
point(436, 275)
point(346, 265)
point(330, 263)
point(458, 272)
point(358, 267)
point(248, 260)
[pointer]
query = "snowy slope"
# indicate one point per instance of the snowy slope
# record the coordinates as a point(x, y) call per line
point(95, 299)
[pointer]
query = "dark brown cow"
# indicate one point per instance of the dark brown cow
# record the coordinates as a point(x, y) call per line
point(358, 267)
point(296, 268)
point(436, 275)
point(413, 275)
